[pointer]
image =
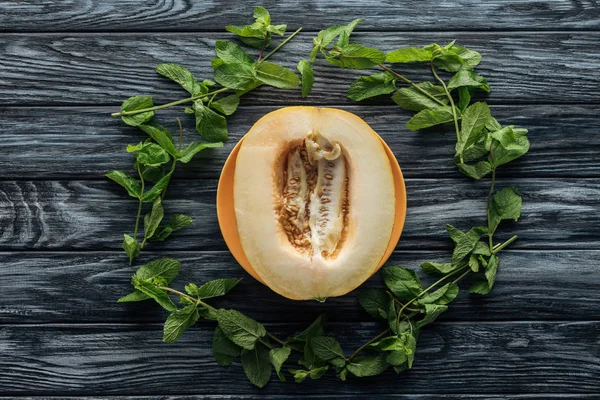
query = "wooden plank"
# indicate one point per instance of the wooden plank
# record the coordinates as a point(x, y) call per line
point(182, 15)
point(84, 143)
point(560, 214)
point(462, 396)
point(96, 69)
point(79, 287)
point(131, 360)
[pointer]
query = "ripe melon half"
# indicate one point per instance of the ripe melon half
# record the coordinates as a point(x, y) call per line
point(315, 201)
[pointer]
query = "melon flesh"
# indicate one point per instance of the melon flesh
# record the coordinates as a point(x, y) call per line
point(314, 201)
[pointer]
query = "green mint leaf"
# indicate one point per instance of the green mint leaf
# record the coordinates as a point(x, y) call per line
point(328, 349)
point(396, 358)
point(369, 365)
point(392, 316)
point(371, 86)
point(188, 152)
point(467, 243)
point(210, 125)
point(448, 61)
point(508, 146)
point(473, 263)
point(412, 99)
point(411, 344)
point(465, 78)
point(165, 268)
point(464, 97)
point(443, 295)
point(182, 76)
point(491, 270)
point(481, 248)
point(276, 75)
point(177, 222)
point(277, 29)
point(326, 36)
point(227, 105)
point(428, 118)
point(455, 234)
point(137, 103)
point(151, 290)
point(477, 171)
point(236, 76)
point(215, 288)
point(308, 76)
point(240, 329)
point(375, 302)
point(492, 124)
point(257, 365)
point(505, 204)
point(408, 55)
point(134, 296)
point(248, 32)
point(153, 218)
point(480, 286)
point(473, 121)
point(278, 357)
point(149, 154)
point(157, 189)
point(355, 56)
point(343, 40)
point(262, 15)
point(403, 282)
point(126, 181)
point(470, 58)
point(225, 350)
point(161, 136)
point(131, 247)
point(432, 311)
point(438, 268)
point(231, 53)
point(314, 373)
point(179, 321)
point(153, 174)
point(315, 329)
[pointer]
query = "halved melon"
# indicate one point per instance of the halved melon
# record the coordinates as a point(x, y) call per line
point(314, 200)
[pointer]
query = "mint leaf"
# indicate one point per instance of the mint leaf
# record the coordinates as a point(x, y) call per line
point(505, 204)
point(225, 350)
point(308, 76)
point(131, 247)
point(153, 218)
point(371, 86)
point(455, 234)
point(231, 53)
point(326, 36)
point(408, 55)
point(182, 76)
point(465, 78)
point(314, 373)
point(464, 97)
point(137, 103)
point(509, 145)
point(433, 268)
point(149, 154)
point(428, 118)
point(165, 268)
point(161, 136)
point(375, 302)
point(262, 15)
point(188, 152)
point(490, 271)
point(254, 37)
point(473, 263)
point(412, 99)
point(432, 311)
point(214, 288)
point(226, 105)
point(355, 56)
point(276, 75)
point(470, 58)
point(477, 171)
point(210, 125)
point(178, 221)
point(126, 181)
point(448, 61)
point(240, 329)
point(179, 321)
point(443, 295)
point(315, 329)
point(278, 357)
point(403, 282)
point(392, 316)
point(134, 296)
point(151, 290)
point(157, 189)
point(235, 76)
point(257, 365)
point(467, 243)
point(473, 121)
point(328, 349)
point(370, 365)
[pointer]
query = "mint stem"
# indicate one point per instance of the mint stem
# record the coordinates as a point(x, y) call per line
point(382, 334)
point(503, 245)
point(139, 213)
point(281, 45)
point(449, 96)
point(167, 105)
point(409, 82)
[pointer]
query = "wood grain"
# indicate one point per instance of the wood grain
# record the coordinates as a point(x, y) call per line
point(84, 143)
point(452, 358)
point(92, 215)
point(59, 287)
point(105, 69)
point(462, 396)
point(185, 15)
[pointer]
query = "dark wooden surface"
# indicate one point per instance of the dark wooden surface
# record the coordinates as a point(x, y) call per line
point(64, 66)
